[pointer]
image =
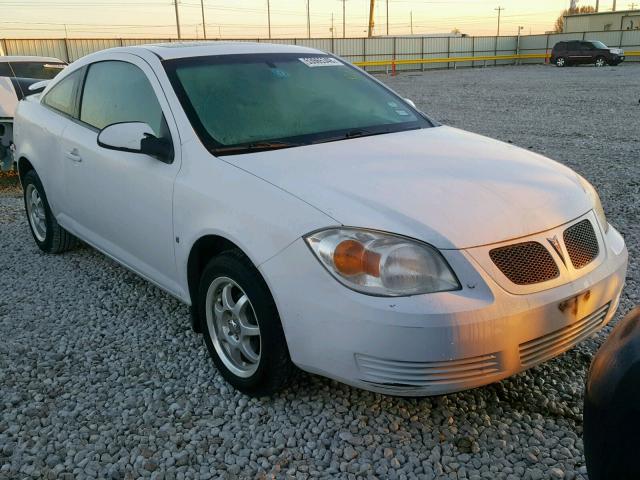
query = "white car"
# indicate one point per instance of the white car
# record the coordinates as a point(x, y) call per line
point(312, 217)
point(17, 74)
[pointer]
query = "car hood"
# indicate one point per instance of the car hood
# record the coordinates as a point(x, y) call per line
point(447, 187)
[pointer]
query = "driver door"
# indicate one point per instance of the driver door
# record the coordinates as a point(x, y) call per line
point(122, 202)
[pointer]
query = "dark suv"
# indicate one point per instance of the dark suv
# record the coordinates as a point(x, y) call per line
point(576, 52)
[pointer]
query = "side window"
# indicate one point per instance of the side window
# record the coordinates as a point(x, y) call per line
point(62, 96)
point(561, 47)
point(574, 46)
point(587, 46)
point(116, 92)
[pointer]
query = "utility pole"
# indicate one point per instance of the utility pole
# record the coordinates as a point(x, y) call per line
point(269, 16)
point(175, 4)
point(344, 21)
point(333, 28)
point(614, 6)
point(411, 20)
point(66, 33)
point(499, 9)
point(518, 45)
point(387, 18)
point(597, 6)
point(632, 6)
point(372, 4)
point(204, 25)
point(308, 21)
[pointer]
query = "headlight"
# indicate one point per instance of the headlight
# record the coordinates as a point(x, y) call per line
point(597, 204)
point(382, 264)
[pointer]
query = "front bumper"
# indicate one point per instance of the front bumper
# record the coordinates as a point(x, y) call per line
point(437, 343)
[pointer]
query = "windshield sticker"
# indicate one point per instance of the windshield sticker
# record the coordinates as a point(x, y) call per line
point(402, 112)
point(321, 62)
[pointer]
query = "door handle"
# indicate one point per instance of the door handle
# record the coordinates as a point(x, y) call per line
point(74, 155)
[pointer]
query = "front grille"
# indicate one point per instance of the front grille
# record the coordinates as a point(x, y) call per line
point(426, 374)
point(554, 343)
point(582, 243)
point(525, 263)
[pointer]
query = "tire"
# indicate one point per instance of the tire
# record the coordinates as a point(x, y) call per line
point(561, 62)
point(230, 331)
point(601, 62)
point(48, 235)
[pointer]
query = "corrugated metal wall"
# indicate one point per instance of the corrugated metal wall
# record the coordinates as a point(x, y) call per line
point(360, 49)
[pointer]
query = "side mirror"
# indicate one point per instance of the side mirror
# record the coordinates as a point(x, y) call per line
point(37, 87)
point(410, 102)
point(135, 137)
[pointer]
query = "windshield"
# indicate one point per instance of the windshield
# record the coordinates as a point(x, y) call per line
point(37, 70)
point(598, 44)
point(240, 103)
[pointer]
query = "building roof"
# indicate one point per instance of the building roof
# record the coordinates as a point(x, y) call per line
point(173, 50)
point(617, 12)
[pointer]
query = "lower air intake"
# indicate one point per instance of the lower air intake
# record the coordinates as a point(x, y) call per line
point(426, 374)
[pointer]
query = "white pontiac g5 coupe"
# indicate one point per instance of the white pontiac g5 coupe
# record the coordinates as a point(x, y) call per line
point(312, 217)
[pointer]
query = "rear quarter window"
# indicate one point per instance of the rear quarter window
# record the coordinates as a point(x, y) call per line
point(62, 96)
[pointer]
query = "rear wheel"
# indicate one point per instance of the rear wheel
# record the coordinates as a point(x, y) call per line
point(601, 62)
point(561, 62)
point(48, 235)
point(241, 326)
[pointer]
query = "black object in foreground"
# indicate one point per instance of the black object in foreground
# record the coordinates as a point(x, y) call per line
point(612, 405)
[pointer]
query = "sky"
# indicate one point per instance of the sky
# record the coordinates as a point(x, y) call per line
point(155, 19)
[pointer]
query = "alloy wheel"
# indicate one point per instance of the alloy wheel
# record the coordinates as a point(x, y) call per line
point(560, 62)
point(36, 212)
point(233, 327)
point(600, 62)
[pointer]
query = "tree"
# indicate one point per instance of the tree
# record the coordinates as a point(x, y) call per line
point(456, 31)
point(559, 25)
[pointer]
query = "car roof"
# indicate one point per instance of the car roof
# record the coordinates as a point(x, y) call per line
point(168, 51)
point(29, 58)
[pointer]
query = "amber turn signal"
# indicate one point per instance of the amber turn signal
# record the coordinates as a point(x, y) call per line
point(351, 257)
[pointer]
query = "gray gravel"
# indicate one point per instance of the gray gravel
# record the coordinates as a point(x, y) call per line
point(101, 377)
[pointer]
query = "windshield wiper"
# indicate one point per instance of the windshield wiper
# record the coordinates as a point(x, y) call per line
point(355, 133)
point(254, 147)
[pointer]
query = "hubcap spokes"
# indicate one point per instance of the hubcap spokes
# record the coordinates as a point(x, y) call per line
point(233, 327)
point(36, 212)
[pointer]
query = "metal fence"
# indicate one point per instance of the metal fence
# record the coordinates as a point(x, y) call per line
point(444, 50)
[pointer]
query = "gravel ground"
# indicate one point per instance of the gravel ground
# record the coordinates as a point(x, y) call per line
point(101, 376)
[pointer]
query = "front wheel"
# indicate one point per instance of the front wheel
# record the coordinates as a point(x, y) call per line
point(601, 62)
point(241, 326)
point(47, 233)
point(561, 62)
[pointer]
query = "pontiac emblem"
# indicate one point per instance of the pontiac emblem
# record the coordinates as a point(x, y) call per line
point(555, 243)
